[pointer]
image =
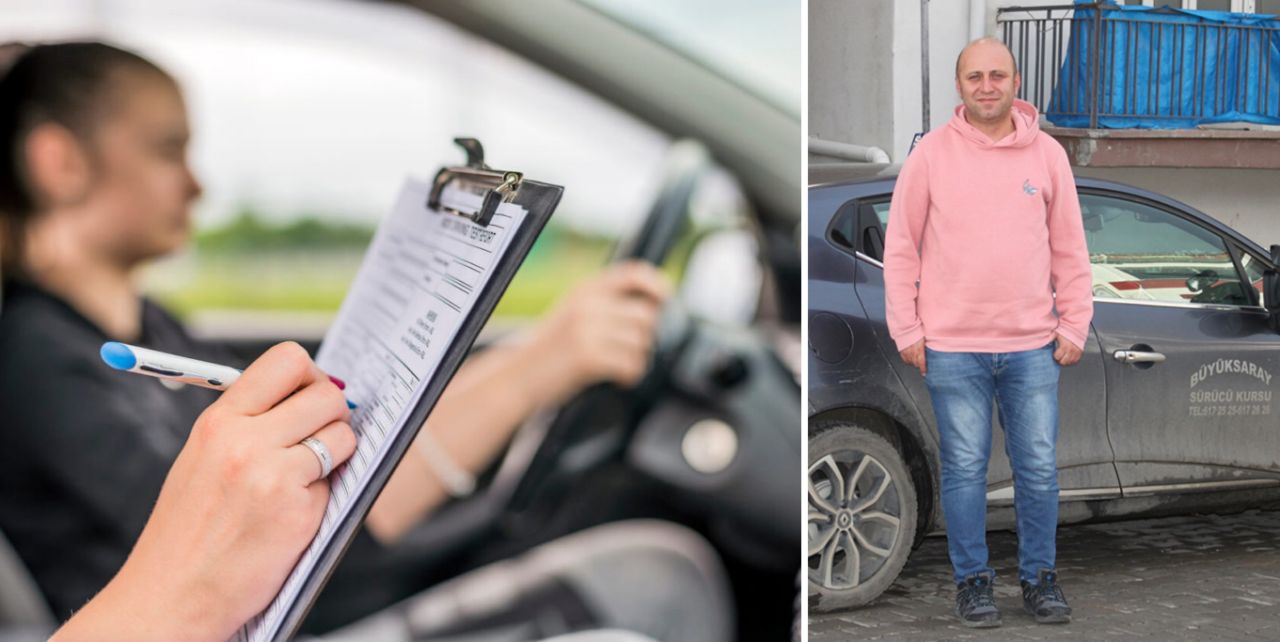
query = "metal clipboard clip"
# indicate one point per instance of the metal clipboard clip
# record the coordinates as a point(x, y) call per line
point(495, 185)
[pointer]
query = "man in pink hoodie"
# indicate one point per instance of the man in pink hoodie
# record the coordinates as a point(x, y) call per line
point(988, 292)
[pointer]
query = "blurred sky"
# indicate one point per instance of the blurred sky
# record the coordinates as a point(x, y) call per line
point(323, 106)
point(756, 43)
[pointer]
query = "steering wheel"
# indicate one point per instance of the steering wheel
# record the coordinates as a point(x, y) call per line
point(714, 421)
point(572, 441)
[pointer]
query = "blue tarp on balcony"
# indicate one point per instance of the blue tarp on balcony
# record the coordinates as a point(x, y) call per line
point(1170, 68)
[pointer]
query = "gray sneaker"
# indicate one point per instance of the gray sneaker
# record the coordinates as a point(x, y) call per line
point(1045, 600)
point(975, 603)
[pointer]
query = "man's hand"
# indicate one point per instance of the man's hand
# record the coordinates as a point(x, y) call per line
point(914, 356)
point(1067, 354)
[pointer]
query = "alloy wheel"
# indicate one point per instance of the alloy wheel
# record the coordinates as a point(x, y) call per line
point(854, 517)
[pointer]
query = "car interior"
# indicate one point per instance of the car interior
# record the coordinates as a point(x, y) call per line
point(709, 438)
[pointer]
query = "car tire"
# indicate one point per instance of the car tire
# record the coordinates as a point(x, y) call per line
point(859, 541)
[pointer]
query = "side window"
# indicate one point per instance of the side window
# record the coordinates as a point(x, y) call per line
point(859, 226)
point(1140, 253)
point(844, 229)
point(834, 202)
point(875, 218)
point(882, 212)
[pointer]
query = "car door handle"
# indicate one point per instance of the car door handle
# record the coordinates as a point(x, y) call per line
point(1138, 356)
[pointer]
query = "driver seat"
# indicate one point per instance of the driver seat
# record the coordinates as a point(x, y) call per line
point(24, 614)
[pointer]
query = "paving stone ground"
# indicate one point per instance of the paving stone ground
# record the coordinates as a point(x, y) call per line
point(1200, 577)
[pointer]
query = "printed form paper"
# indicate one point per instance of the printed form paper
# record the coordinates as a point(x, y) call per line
point(419, 279)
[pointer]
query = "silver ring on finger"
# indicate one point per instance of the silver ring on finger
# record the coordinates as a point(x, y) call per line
point(322, 454)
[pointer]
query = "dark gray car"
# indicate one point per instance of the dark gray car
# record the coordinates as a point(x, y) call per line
point(1171, 409)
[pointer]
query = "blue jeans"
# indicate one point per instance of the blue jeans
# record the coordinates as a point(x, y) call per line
point(1024, 387)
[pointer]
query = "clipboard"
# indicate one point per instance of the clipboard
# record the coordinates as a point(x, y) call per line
point(494, 187)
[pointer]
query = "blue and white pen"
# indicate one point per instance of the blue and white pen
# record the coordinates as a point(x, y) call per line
point(175, 368)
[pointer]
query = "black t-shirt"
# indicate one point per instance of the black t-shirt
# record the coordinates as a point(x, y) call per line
point(86, 448)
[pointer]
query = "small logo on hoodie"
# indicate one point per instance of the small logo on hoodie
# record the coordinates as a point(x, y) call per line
point(1029, 188)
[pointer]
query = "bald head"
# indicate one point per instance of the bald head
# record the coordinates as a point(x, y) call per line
point(988, 81)
point(986, 45)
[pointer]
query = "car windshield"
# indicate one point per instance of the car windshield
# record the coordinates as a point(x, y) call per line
point(754, 43)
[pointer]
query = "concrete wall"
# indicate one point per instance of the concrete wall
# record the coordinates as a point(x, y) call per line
point(948, 34)
point(850, 87)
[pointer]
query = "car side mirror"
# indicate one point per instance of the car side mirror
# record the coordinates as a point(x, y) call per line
point(1271, 288)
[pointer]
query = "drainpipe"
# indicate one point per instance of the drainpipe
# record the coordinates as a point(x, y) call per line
point(847, 151)
point(977, 19)
point(924, 63)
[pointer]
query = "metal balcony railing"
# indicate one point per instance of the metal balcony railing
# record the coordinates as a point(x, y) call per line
point(1092, 65)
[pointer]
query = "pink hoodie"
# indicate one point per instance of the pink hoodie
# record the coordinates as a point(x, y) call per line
point(990, 231)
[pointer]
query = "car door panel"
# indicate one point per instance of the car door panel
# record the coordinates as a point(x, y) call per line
point(1198, 404)
point(1207, 412)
